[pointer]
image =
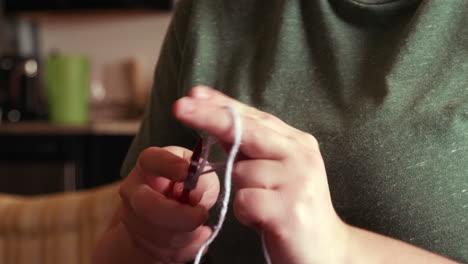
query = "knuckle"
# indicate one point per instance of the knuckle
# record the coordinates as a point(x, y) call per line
point(238, 175)
point(123, 192)
point(239, 202)
point(310, 140)
point(264, 116)
point(255, 138)
point(268, 118)
point(299, 213)
point(312, 160)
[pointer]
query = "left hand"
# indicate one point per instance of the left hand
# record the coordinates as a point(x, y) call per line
point(281, 182)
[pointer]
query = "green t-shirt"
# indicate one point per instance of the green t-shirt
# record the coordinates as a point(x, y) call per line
point(383, 86)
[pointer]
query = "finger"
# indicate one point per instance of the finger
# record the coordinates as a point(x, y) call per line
point(206, 193)
point(193, 199)
point(169, 162)
point(259, 140)
point(160, 237)
point(208, 187)
point(180, 255)
point(165, 213)
point(258, 208)
point(188, 253)
point(264, 174)
point(136, 179)
point(204, 93)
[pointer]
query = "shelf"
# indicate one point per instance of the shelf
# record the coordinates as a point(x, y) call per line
point(92, 14)
point(104, 127)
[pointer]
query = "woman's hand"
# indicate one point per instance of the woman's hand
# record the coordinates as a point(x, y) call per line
point(164, 229)
point(282, 192)
point(280, 179)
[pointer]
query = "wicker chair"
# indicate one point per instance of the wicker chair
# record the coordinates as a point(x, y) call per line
point(58, 228)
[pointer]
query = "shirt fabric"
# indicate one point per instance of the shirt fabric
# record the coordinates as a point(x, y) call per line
point(382, 85)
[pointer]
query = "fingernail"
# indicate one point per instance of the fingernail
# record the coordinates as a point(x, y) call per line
point(186, 105)
point(202, 92)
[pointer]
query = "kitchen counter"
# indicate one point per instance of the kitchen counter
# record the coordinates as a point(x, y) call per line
point(104, 127)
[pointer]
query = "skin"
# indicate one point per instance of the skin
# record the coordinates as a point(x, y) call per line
point(281, 191)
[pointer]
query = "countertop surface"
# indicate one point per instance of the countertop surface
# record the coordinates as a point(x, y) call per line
point(102, 127)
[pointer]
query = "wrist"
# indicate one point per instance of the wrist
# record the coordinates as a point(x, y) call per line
point(116, 246)
point(362, 246)
point(342, 247)
point(335, 246)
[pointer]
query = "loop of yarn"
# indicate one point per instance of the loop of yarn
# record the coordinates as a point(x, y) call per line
point(237, 132)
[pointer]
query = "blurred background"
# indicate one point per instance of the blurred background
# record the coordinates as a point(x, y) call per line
point(74, 78)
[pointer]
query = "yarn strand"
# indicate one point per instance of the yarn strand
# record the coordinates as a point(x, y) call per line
point(237, 127)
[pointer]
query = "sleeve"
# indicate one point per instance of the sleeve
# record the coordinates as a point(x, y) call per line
point(158, 127)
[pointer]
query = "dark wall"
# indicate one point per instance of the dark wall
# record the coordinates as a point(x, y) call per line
point(33, 5)
point(39, 164)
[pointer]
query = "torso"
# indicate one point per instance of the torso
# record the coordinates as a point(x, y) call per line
point(388, 103)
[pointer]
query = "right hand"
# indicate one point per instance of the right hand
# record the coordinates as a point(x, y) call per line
point(163, 228)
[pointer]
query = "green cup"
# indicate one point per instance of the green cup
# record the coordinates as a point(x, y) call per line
point(68, 82)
